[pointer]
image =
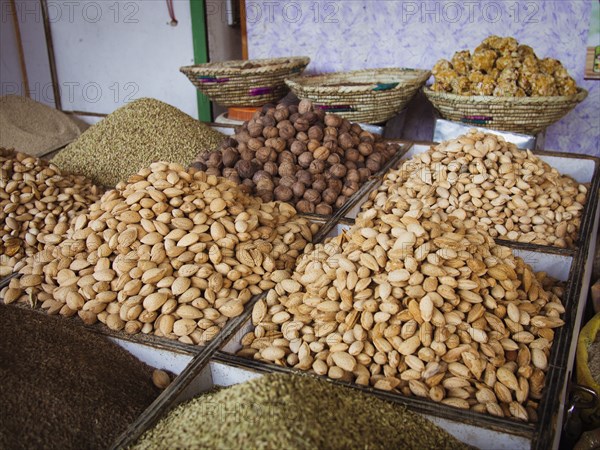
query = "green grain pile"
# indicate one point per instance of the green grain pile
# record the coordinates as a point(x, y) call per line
point(133, 137)
point(280, 411)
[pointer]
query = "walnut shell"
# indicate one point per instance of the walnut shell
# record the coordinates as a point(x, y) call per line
point(294, 116)
point(263, 154)
point(298, 147)
point(213, 171)
point(278, 143)
point(230, 157)
point(271, 167)
point(341, 200)
point(321, 153)
point(301, 124)
point(312, 196)
point(265, 195)
point(345, 141)
point(286, 129)
point(283, 193)
point(305, 159)
point(298, 189)
point(214, 159)
point(330, 131)
point(374, 162)
point(247, 154)
point(351, 154)
point(313, 145)
point(270, 132)
point(255, 143)
point(335, 185)
point(364, 174)
point(366, 136)
point(338, 170)
point(317, 166)
point(324, 209)
point(365, 148)
point(260, 175)
point(319, 184)
point(352, 176)
point(287, 181)
point(255, 129)
point(281, 113)
point(305, 106)
point(334, 158)
point(304, 176)
point(315, 132)
point(287, 168)
point(302, 136)
point(330, 196)
point(304, 206)
point(265, 184)
point(333, 120)
point(242, 136)
point(286, 156)
point(355, 128)
point(312, 117)
point(268, 121)
point(245, 168)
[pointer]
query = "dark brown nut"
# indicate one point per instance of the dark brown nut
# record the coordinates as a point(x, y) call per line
point(255, 143)
point(320, 184)
point(321, 153)
point(355, 128)
point(340, 201)
point(293, 117)
point(352, 176)
point(298, 189)
point(330, 131)
point(265, 195)
point(305, 106)
point(230, 142)
point(263, 154)
point(293, 109)
point(352, 154)
point(245, 168)
point(260, 175)
point(304, 206)
point(374, 162)
point(268, 121)
point(287, 168)
point(268, 109)
point(312, 196)
point(230, 157)
point(213, 171)
point(301, 124)
point(364, 174)
point(214, 159)
point(330, 196)
point(241, 147)
point(265, 184)
point(247, 154)
point(330, 142)
point(242, 136)
point(312, 117)
point(286, 157)
point(298, 147)
point(283, 193)
point(199, 165)
point(281, 113)
point(287, 181)
point(317, 166)
point(286, 129)
point(351, 165)
point(334, 158)
point(270, 132)
point(278, 143)
point(315, 132)
point(350, 187)
point(313, 145)
point(345, 126)
point(365, 148)
point(324, 209)
point(235, 178)
point(335, 185)
point(302, 136)
point(366, 136)
point(338, 170)
point(305, 159)
point(304, 176)
point(332, 120)
point(271, 168)
point(256, 115)
point(228, 171)
point(255, 129)
point(345, 141)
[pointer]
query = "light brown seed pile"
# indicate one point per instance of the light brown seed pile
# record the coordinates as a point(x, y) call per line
point(296, 413)
point(413, 303)
point(510, 193)
point(132, 137)
point(36, 199)
point(172, 252)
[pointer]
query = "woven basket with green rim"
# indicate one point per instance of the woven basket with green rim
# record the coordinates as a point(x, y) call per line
point(367, 96)
point(245, 82)
point(528, 115)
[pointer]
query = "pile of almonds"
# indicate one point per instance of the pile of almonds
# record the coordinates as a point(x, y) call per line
point(410, 302)
point(36, 199)
point(510, 193)
point(172, 252)
point(301, 155)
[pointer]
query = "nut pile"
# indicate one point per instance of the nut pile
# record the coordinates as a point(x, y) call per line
point(280, 411)
point(36, 200)
point(301, 155)
point(510, 193)
point(502, 68)
point(171, 252)
point(132, 137)
point(415, 304)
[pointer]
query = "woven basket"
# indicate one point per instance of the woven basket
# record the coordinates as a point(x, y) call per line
point(367, 96)
point(245, 83)
point(529, 115)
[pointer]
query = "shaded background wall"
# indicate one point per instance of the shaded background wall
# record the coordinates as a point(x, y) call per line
point(356, 34)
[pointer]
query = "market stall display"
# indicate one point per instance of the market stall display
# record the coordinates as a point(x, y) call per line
point(32, 127)
point(132, 137)
point(253, 82)
point(37, 203)
point(293, 412)
point(64, 387)
point(172, 252)
point(301, 155)
point(369, 96)
point(503, 85)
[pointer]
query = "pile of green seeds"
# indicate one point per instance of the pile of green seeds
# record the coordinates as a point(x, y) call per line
point(134, 136)
point(294, 412)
